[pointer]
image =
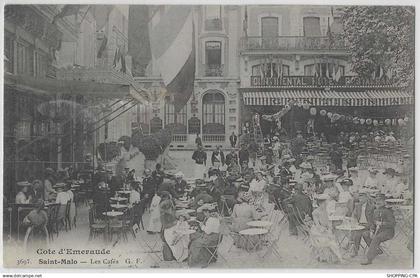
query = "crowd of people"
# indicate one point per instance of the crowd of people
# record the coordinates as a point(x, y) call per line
point(246, 184)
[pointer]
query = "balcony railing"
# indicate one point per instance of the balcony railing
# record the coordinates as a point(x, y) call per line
point(215, 138)
point(179, 138)
point(292, 43)
point(214, 70)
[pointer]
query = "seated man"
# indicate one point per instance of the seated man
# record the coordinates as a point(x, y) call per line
point(382, 228)
point(363, 213)
point(202, 197)
point(180, 184)
point(207, 237)
point(302, 208)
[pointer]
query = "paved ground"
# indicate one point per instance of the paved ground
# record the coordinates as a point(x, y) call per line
point(136, 252)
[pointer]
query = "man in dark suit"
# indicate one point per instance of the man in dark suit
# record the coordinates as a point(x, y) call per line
point(233, 139)
point(218, 157)
point(232, 156)
point(302, 207)
point(382, 228)
point(243, 155)
point(363, 213)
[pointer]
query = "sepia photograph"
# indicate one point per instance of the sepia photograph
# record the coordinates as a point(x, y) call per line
point(246, 136)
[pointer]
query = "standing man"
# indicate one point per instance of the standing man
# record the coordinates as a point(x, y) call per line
point(363, 213)
point(243, 155)
point(218, 158)
point(233, 139)
point(198, 141)
point(200, 158)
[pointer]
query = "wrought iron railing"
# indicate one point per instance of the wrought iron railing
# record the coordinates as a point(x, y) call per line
point(179, 138)
point(292, 43)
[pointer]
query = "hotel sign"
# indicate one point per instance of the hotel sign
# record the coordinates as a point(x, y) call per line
point(312, 81)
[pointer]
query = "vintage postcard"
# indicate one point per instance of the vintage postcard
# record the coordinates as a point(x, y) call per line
point(208, 136)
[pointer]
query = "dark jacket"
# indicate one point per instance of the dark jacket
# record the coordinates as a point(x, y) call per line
point(231, 157)
point(214, 159)
point(243, 155)
point(233, 139)
point(370, 208)
point(149, 186)
point(302, 203)
point(200, 157)
point(386, 217)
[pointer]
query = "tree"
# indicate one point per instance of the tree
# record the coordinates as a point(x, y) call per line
point(381, 36)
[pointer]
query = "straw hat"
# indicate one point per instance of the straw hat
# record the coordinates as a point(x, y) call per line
point(23, 183)
point(322, 196)
point(328, 177)
point(373, 170)
point(179, 175)
point(305, 165)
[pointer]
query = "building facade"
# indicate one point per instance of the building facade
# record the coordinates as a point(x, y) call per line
point(257, 59)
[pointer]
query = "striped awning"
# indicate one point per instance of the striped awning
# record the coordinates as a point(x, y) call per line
point(329, 98)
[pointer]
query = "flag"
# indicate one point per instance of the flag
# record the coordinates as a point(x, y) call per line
point(173, 50)
point(138, 38)
point(67, 10)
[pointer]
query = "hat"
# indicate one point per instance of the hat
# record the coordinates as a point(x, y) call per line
point(373, 170)
point(270, 167)
point(263, 157)
point(291, 160)
point(328, 177)
point(292, 181)
point(179, 174)
point(286, 156)
point(245, 197)
point(380, 196)
point(322, 196)
point(275, 138)
point(305, 165)
point(24, 183)
point(390, 171)
point(353, 169)
point(310, 157)
point(49, 170)
point(346, 181)
point(239, 179)
point(60, 185)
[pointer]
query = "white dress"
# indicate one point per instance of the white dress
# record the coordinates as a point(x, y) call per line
point(177, 241)
point(154, 223)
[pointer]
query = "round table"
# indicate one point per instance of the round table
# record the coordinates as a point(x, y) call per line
point(119, 206)
point(124, 191)
point(118, 199)
point(350, 227)
point(335, 218)
point(253, 237)
point(113, 213)
point(187, 232)
point(185, 211)
point(259, 223)
point(395, 201)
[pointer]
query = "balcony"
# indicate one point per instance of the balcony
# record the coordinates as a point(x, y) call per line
point(214, 70)
point(288, 43)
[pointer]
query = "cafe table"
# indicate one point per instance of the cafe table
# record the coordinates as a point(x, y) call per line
point(254, 238)
point(111, 215)
point(348, 229)
point(395, 201)
point(119, 206)
point(123, 191)
point(184, 211)
point(118, 199)
point(259, 224)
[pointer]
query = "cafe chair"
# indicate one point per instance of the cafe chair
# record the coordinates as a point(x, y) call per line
point(213, 251)
point(52, 225)
point(95, 228)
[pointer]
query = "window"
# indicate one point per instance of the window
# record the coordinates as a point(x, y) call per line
point(155, 125)
point(269, 27)
point(25, 59)
point(213, 113)
point(337, 26)
point(311, 27)
point(213, 58)
point(40, 64)
point(213, 18)
point(329, 70)
point(194, 125)
point(9, 49)
point(213, 53)
point(178, 120)
point(270, 70)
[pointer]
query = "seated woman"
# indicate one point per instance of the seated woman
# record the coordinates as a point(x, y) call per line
point(324, 245)
point(23, 196)
point(208, 237)
point(62, 199)
point(177, 240)
point(242, 213)
point(134, 193)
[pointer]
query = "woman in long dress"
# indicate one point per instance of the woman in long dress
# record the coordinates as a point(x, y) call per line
point(177, 239)
point(324, 245)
